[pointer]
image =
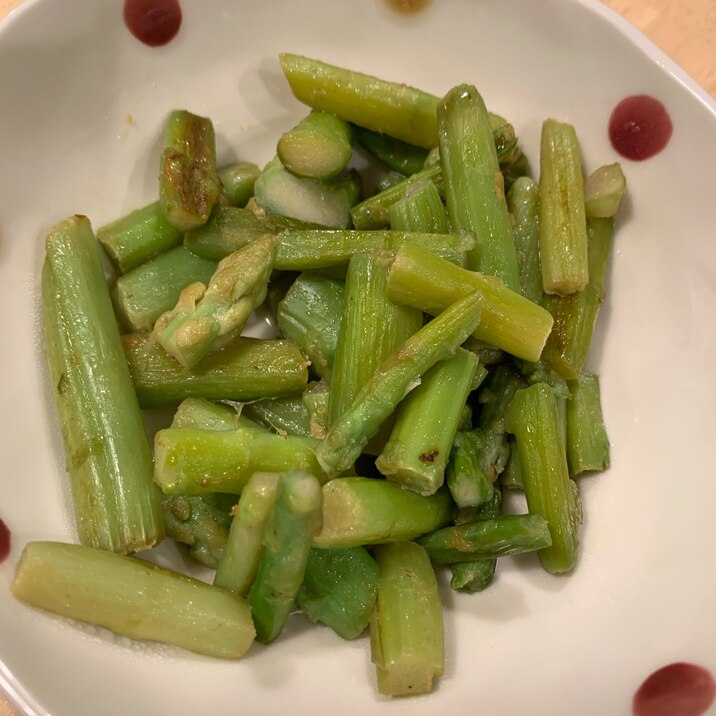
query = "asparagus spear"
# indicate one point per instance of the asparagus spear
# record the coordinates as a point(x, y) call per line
point(248, 369)
point(474, 187)
point(146, 292)
point(339, 589)
point(137, 237)
point(604, 190)
point(205, 415)
point(193, 462)
point(417, 452)
point(406, 631)
point(523, 203)
point(239, 562)
point(315, 399)
point(371, 328)
point(511, 477)
point(310, 314)
point(301, 250)
point(390, 179)
point(188, 182)
point(133, 598)
point(421, 209)
point(237, 182)
point(487, 539)
point(379, 397)
point(359, 511)
point(548, 489)
point(287, 543)
point(285, 416)
point(228, 229)
point(587, 441)
point(575, 316)
point(108, 459)
point(469, 483)
point(398, 156)
point(562, 228)
point(206, 318)
point(319, 146)
point(420, 279)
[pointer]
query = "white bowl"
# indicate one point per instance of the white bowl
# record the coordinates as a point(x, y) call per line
point(72, 76)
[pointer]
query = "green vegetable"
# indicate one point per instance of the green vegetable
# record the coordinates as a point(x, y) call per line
point(421, 209)
point(523, 203)
point(237, 182)
point(587, 441)
point(604, 190)
point(398, 156)
point(285, 416)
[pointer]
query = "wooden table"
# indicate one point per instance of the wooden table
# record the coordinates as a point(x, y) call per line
point(684, 29)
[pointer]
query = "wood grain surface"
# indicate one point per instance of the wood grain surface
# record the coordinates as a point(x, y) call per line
point(684, 29)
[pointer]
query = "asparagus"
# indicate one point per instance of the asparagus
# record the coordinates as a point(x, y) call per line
point(205, 415)
point(469, 483)
point(207, 318)
point(406, 631)
point(421, 209)
point(339, 589)
point(137, 237)
point(200, 521)
point(370, 330)
point(248, 369)
point(287, 543)
point(487, 539)
point(319, 146)
point(146, 292)
point(188, 182)
point(359, 511)
point(604, 190)
point(327, 203)
point(587, 441)
point(523, 203)
point(285, 416)
point(310, 314)
point(379, 397)
point(511, 477)
point(549, 491)
point(237, 182)
point(417, 452)
point(133, 598)
point(475, 576)
point(374, 212)
point(388, 180)
point(474, 188)
point(228, 229)
point(562, 228)
point(420, 279)
point(575, 316)
point(398, 156)
point(239, 562)
point(315, 399)
point(301, 250)
point(193, 462)
point(108, 459)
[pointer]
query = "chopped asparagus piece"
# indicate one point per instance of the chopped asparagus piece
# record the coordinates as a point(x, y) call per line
point(575, 316)
point(421, 209)
point(137, 237)
point(287, 543)
point(523, 203)
point(315, 398)
point(239, 562)
point(511, 477)
point(327, 203)
point(604, 190)
point(228, 229)
point(108, 459)
point(285, 416)
point(146, 292)
point(562, 227)
point(237, 182)
point(406, 631)
point(207, 318)
point(549, 491)
point(487, 539)
point(359, 511)
point(587, 441)
point(188, 182)
point(205, 415)
point(390, 179)
point(398, 156)
point(310, 314)
point(248, 369)
point(339, 589)
point(133, 598)
point(319, 146)
point(193, 462)
point(474, 187)
point(469, 484)
point(417, 452)
point(511, 322)
point(379, 397)
point(301, 250)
